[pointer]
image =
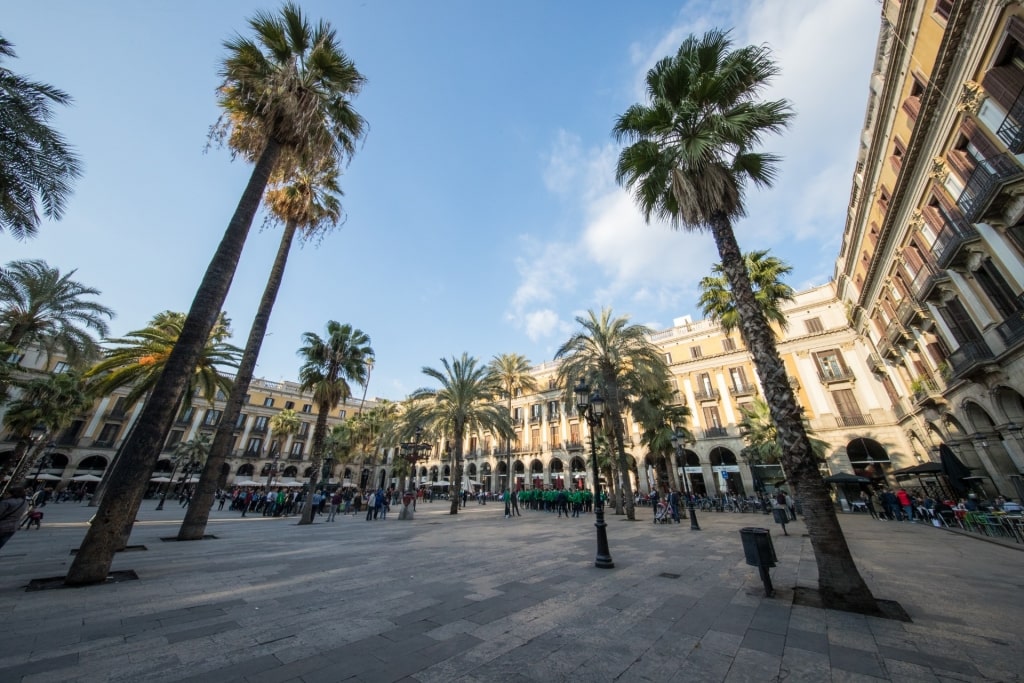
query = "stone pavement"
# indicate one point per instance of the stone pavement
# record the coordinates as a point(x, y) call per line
point(476, 597)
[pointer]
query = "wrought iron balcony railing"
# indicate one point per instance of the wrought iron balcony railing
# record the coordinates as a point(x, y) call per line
point(969, 357)
point(985, 183)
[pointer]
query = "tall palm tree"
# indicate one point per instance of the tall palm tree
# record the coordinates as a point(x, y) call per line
point(329, 363)
point(766, 272)
point(762, 436)
point(286, 423)
point(137, 359)
point(691, 152)
point(512, 373)
point(374, 430)
point(464, 404)
point(287, 91)
point(36, 162)
point(40, 307)
point(617, 357)
point(52, 401)
point(303, 200)
point(660, 418)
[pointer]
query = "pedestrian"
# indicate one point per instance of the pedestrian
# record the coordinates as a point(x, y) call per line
point(11, 510)
point(905, 504)
point(507, 498)
point(514, 497)
point(791, 506)
point(869, 503)
point(333, 506)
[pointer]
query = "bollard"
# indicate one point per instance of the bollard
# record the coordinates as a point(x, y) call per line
point(760, 553)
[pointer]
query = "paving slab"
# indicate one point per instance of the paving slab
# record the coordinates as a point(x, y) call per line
point(477, 597)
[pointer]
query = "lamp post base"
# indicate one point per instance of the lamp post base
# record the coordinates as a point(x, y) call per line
point(693, 519)
point(604, 556)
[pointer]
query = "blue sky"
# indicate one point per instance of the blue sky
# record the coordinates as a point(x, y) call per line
point(482, 210)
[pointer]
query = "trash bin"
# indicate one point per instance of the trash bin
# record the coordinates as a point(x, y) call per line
point(757, 546)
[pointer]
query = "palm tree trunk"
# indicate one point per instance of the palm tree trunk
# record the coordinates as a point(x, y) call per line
point(25, 455)
point(128, 481)
point(615, 415)
point(455, 484)
point(198, 514)
point(319, 435)
point(840, 584)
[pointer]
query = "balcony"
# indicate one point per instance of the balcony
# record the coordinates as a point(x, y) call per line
point(117, 415)
point(1011, 330)
point(1010, 130)
point(899, 409)
point(985, 185)
point(925, 281)
point(836, 375)
point(896, 333)
point(854, 420)
point(955, 234)
point(104, 443)
point(743, 389)
point(573, 446)
point(876, 363)
point(970, 358)
point(535, 419)
point(716, 433)
point(706, 394)
point(926, 391)
point(910, 311)
point(259, 429)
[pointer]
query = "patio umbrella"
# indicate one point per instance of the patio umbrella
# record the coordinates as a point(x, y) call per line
point(160, 480)
point(86, 477)
point(847, 478)
point(954, 469)
point(46, 477)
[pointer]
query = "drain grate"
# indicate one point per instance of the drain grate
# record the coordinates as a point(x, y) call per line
point(669, 575)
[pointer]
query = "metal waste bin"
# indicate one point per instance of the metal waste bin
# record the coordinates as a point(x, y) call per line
point(757, 546)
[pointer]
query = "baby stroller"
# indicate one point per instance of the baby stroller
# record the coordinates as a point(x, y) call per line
point(663, 513)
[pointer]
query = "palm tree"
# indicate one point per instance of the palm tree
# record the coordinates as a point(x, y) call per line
point(328, 365)
point(286, 423)
point(52, 401)
point(373, 430)
point(191, 452)
point(306, 200)
point(285, 92)
point(464, 404)
point(766, 272)
point(691, 151)
point(618, 358)
point(40, 307)
point(660, 418)
point(137, 359)
point(762, 436)
point(36, 162)
point(512, 373)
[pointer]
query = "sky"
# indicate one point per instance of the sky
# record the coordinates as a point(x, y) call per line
point(482, 213)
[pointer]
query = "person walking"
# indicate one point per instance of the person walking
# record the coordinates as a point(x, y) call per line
point(514, 497)
point(11, 510)
point(506, 497)
point(333, 506)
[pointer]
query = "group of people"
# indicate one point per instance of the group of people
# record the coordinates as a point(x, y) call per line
point(900, 505)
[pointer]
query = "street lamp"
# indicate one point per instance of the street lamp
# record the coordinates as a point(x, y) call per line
point(677, 443)
point(163, 496)
point(46, 460)
point(591, 407)
point(415, 450)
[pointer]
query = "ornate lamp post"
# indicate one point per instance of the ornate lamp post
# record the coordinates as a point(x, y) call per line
point(163, 495)
point(46, 460)
point(677, 443)
point(591, 407)
point(272, 470)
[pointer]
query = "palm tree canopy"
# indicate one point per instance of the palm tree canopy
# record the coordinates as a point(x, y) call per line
point(329, 363)
point(307, 197)
point(762, 436)
point(140, 356)
point(36, 162)
point(193, 450)
point(52, 401)
point(41, 307)
point(690, 150)
point(608, 350)
point(464, 403)
point(766, 272)
point(511, 371)
point(291, 83)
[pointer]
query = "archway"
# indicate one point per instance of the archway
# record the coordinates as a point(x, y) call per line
point(536, 474)
point(726, 472)
point(868, 458)
point(486, 476)
point(94, 464)
point(245, 471)
point(694, 473)
point(519, 475)
point(557, 469)
point(578, 471)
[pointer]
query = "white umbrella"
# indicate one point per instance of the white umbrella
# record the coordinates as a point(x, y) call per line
point(160, 480)
point(47, 477)
point(86, 477)
point(248, 482)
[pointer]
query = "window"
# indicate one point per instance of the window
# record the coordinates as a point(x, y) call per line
point(711, 418)
point(552, 410)
point(668, 359)
point(221, 395)
point(268, 402)
point(728, 344)
point(254, 447)
point(240, 422)
point(898, 150)
point(342, 413)
point(297, 447)
point(303, 429)
point(912, 105)
point(174, 438)
point(535, 411)
point(120, 406)
point(695, 352)
point(998, 291)
point(187, 415)
point(814, 326)
point(517, 414)
point(553, 435)
point(260, 425)
point(307, 407)
point(738, 377)
point(830, 364)
point(289, 405)
point(212, 417)
point(60, 368)
point(15, 358)
point(248, 399)
point(846, 406)
point(574, 433)
point(535, 439)
point(107, 435)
